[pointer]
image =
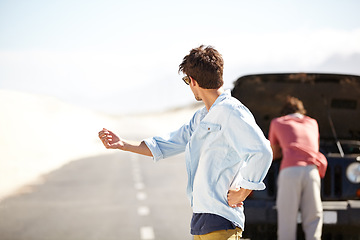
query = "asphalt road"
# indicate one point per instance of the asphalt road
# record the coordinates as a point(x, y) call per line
point(119, 196)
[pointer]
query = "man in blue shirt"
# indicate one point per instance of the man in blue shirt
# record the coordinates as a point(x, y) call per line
point(226, 153)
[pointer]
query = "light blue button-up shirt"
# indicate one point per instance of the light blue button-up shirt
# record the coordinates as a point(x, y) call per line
point(224, 149)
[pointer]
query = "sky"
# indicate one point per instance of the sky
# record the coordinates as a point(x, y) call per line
point(122, 56)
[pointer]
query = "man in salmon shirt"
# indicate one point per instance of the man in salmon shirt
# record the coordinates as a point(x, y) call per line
point(294, 137)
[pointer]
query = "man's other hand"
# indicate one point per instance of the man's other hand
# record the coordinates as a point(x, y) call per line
point(237, 196)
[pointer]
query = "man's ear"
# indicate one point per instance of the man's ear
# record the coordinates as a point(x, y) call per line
point(193, 82)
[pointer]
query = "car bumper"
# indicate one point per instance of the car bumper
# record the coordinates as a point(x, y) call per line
point(342, 212)
point(335, 212)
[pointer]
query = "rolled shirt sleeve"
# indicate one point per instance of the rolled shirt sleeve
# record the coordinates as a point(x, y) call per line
point(154, 148)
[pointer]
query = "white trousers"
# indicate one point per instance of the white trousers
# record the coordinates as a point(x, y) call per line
point(299, 190)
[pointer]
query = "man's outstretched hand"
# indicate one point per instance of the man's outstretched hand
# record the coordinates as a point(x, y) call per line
point(110, 139)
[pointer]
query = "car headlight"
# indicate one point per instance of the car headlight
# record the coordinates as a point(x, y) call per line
point(353, 172)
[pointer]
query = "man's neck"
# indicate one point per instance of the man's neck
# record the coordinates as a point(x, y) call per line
point(209, 96)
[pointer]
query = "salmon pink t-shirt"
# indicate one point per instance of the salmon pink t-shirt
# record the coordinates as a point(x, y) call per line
point(298, 138)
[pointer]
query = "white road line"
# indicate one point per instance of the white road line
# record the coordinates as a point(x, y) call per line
point(139, 186)
point(143, 211)
point(141, 196)
point(136, 169)
point(147, 233)
point(137, 177)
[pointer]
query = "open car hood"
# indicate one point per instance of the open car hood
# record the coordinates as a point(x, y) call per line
point(326, 97)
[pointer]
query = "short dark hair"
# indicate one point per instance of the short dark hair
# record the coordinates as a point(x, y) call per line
point(293, 105)
point(205, 65)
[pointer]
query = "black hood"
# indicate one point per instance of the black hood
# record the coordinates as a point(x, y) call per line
point(326, 97)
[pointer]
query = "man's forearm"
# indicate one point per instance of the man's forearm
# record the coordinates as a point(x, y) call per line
point(244, 193)
point(237, 196)
point(137, 147)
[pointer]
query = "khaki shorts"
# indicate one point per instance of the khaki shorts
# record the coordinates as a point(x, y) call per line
point(230, 234)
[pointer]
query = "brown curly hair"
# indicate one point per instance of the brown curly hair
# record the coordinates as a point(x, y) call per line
point(293, 105)
point(204, 64)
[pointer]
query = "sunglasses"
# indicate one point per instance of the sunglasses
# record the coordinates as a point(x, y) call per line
point(186, 80)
